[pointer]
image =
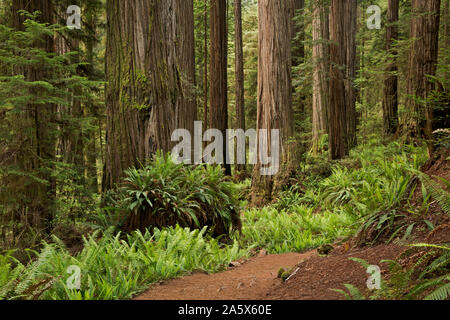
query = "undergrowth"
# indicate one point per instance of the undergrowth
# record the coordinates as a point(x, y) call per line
point(318, 210)
point(115, 268)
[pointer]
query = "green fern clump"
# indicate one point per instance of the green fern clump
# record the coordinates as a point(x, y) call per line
point(427, 278)
point(24, 282)
point(296, 230)
point(165, 194)
point(438, 193)
point(114, 266)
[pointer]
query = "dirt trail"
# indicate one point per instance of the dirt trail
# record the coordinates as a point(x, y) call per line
point(257, 279)
point(249, 281)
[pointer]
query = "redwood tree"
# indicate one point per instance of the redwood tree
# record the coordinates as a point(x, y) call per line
point(422, 65)
point(274, 102)
point(321, 35)
point(218, 72)
point(336, 112)
point(239, 70)
point(390, 100)
point(150, 73)
point(37, 151)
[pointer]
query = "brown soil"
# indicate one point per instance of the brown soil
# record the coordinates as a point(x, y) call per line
point(249, 281)
point(257, 278)
point(316, 276)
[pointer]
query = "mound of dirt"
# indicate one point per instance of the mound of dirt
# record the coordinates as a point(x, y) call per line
point(317, 275)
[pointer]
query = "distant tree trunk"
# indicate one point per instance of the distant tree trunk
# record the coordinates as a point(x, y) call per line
point(321, 35)
point(149, 59)
point(41, 144)
point(239, 69)
point(390, 102)
point(205, 94)
point(422, 64)
point(218, 75)
point(349, 49)
point(336, 112)
point(298, 50)
point(274, 92)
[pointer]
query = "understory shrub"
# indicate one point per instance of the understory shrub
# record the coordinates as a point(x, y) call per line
point(298, 230)
point(166, 194)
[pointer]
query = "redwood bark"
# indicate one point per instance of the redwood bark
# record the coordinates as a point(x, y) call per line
point(218, 72)
point(39, 147)
point(422, 64)
point(274, 89)
point(390, 101)
point(336, 114)
point(321, 35)
point(239, 70)
point(150, 72)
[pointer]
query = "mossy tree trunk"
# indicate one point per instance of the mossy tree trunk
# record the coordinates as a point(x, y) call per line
point(239, 70)
point(150, 73)
point(218, 90)
point(38, 131)
point(422, 64)
point(274, 102)
point(390, 101)
point(321, 35)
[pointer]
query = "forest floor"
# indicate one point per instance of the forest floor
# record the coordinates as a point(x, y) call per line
point(257, 278)
point(314, 275)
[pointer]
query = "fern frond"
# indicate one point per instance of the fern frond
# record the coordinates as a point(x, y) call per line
point(442, 293)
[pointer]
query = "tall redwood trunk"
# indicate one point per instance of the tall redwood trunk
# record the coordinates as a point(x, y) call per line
point(274, 92)
point(239, 70)
point(349, 49)
point(336, 112)
point(218, 72)
point(321, 35)
point(422, 64)
point(150, 73)
point(41, 143)
point(390, 100)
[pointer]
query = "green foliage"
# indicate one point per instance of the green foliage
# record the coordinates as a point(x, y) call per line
point(24, 282)
point(426, 279)
point(438, 193)
point(36, 115)
point(298, 230)
point(353, 292)
point(112, 268)
point(166, 194)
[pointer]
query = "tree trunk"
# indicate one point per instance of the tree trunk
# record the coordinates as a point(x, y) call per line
point(205, 83)
point(274, 92)
point(390, 102)
point(239, 69)
point(298, 34)
point(349, 49)
point(218, 76)
point(422, 64)
point(336, 114)
point(149, 68)
point(298, 50)
point(41, 145)
point(321, 35)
